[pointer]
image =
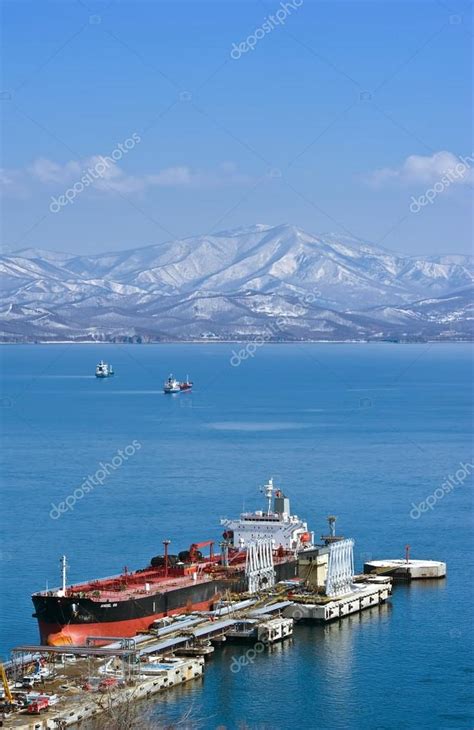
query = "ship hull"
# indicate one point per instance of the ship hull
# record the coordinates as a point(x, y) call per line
point(77, 634)
point(71, 620)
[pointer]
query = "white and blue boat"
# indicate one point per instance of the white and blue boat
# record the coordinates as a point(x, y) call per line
point(103, 370)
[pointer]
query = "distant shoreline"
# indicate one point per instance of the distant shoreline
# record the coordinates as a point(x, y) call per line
point(246, 342)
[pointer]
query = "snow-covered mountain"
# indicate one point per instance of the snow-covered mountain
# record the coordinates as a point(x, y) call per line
point(280, 282)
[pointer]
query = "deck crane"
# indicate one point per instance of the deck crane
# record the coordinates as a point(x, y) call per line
point(194, 551)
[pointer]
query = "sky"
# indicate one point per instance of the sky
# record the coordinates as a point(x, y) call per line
point(130, 123)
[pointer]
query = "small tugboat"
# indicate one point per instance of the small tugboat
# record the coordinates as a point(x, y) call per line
point(103, 370)
point(186, 384)
point(171, 385)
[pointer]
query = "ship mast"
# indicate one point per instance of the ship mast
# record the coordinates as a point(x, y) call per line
point(268, 490)
point(166, 543)
point(63, 573)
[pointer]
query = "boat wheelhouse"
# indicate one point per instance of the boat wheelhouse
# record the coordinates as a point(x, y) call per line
point(286, 531)
point(171, 385)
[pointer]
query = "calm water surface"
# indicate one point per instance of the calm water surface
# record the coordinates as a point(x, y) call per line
point(362, 431)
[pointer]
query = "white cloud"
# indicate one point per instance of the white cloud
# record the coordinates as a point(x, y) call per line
point(47, 171)
point(12, 181)
point(426, 169)
point(113, 178)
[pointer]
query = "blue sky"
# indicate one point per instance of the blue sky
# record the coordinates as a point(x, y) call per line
point(341, 116)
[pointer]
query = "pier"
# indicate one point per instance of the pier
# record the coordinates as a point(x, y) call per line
point(81, 681)
point(128, 669)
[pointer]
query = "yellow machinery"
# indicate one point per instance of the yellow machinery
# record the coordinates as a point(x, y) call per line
point(6, 686)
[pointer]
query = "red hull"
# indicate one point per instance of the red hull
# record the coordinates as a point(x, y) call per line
point(76, 634)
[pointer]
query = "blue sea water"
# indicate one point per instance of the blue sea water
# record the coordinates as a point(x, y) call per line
point(365, 432)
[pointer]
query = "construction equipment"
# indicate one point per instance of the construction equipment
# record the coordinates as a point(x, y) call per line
point(9, 704)
point(38, 706)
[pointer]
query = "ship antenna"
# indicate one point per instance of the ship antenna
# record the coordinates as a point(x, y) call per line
point(64, 567)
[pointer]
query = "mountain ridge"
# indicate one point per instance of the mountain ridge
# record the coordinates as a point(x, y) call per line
point(230, 285)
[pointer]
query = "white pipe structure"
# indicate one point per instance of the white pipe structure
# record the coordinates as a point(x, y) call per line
point(259, 569)
point(340, 574)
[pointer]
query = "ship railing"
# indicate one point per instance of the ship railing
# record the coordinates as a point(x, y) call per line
point(89, 586)
point(102, 596)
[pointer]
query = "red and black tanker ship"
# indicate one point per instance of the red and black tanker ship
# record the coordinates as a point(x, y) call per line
point(126, 604)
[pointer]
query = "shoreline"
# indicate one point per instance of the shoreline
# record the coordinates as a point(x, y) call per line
point(246, 342)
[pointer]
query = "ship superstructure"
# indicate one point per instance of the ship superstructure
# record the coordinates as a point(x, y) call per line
point(286, 531)
point(103, 370)
point(171, 385)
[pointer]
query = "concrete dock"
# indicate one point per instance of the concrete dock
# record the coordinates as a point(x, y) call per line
point(323, 609)
point(406, 569)
point(82, 704)
point(267, 630)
